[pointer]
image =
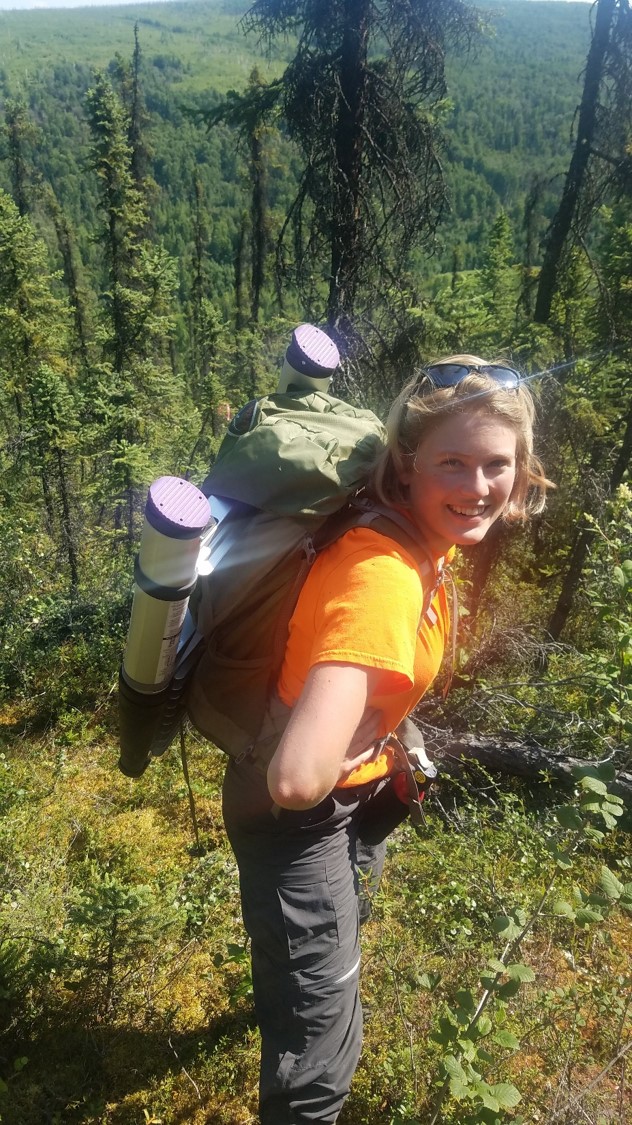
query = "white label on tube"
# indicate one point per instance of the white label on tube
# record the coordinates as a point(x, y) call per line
point(169, 647)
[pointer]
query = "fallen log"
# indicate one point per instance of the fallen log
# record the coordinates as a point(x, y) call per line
point(511, 757)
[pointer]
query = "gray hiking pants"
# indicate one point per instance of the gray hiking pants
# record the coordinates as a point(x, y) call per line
point(306, 879)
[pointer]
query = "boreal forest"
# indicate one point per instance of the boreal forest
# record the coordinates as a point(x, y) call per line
point(181, 185)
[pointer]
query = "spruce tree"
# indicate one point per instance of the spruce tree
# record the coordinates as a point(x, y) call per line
point(498, 283)
point(139, 278)
point(39, 405)
point(20, 134)
point(360, 99)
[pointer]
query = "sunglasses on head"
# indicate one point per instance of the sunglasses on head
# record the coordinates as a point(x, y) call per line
point(451, 374)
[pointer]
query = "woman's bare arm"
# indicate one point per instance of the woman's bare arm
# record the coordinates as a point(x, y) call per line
point(319, 745)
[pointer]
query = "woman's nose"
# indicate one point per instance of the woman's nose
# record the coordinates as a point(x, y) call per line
point(475, 483)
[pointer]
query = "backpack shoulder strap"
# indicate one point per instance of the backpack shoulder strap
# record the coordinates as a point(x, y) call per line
point(393, 523)
point(363, 512)
point(357, 513)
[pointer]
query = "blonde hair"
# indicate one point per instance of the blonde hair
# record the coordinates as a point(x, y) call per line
point(420, 407)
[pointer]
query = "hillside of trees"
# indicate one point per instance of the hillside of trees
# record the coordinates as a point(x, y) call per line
point(507, 120)
point(179, 188)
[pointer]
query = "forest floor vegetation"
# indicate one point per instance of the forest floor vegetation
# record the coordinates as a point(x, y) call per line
point(124, 973)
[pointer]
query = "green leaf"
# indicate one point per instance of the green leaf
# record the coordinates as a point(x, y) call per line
point(598, 900)
point(585, 915)
point(587, 803)
point(568, 817)
point(487, 1098)
point(619, 577)
point(506, 1039)
point(594, 785)
point(468, 1049)
point(506, 927)
point(454, 1070)
point(466, 1000)
point(486, 1117)
point(484, 1056)
point(563, 909)
point(520, 972)
point(429, 981)
point(507, 1096)
point(611, 808)
point(608, 820)
point(563, 859)
point(237, 952)
point(4, 1089)
point(447, 1032)
point(605, 771)
point(489, 980)
point(496, 965)
point(484, 1025)
point(511, 988)
point(459, 1090)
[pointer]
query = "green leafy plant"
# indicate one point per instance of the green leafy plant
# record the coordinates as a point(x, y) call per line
point(237, 956)
point(475, 1021)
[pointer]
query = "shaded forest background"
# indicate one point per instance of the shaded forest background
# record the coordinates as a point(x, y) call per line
point(171, 206)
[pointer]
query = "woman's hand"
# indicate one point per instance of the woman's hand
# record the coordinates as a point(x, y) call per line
point(364, 745)
point(330, 731)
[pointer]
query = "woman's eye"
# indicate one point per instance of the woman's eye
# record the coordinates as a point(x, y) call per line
point(450, 462)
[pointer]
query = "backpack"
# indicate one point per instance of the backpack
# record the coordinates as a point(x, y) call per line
point(286, 484)
point(291, 467)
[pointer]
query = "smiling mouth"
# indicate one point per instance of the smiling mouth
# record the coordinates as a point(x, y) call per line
point(469, 512)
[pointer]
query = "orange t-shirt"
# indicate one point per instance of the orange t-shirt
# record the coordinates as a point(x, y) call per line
point(361, 604)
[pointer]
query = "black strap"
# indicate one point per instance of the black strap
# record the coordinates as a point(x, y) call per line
point(162, 593)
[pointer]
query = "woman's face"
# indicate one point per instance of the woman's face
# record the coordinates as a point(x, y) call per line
point(464, 472)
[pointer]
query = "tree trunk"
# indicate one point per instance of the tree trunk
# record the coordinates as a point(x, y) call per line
point(258, 221)
point(572, 578)
point(485, 557)
point(581, 545)
point(563, 220)
point(66, 523)
point(346, 233)
point(240, 254)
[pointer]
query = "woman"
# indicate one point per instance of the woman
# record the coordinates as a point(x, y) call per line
point(361, 653)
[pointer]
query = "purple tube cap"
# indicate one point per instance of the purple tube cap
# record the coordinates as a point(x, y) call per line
point(176, 508)
point(313, 352)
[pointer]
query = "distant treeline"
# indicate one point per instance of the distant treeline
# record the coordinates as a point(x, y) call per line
point(507, 120)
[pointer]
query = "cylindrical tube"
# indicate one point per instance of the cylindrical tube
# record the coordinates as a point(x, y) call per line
point(140, 720)
point(310, 360)
point(175, 517)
